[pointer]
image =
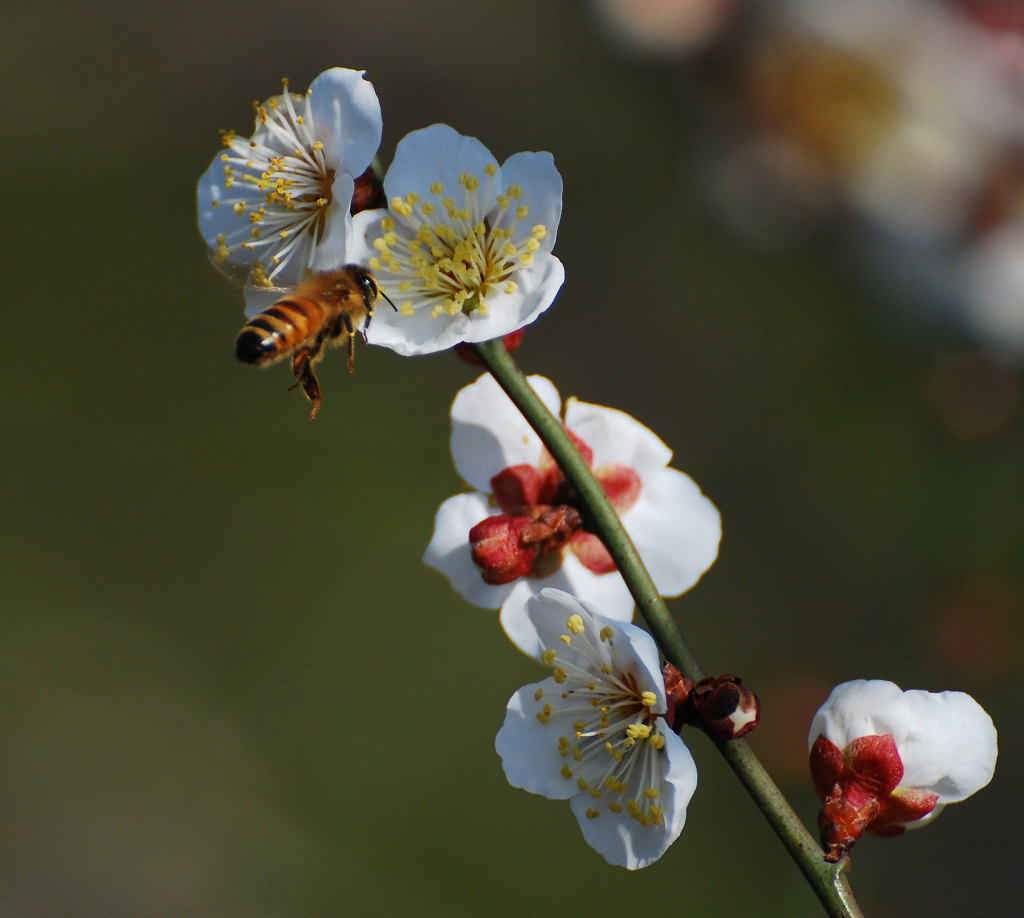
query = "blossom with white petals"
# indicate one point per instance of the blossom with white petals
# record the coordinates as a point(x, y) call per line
point(464, 248)
point(885, 760)
point(675, 528)
point(593, 732)
point(274, 208)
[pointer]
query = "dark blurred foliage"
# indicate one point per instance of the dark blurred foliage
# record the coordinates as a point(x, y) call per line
point(228, 685)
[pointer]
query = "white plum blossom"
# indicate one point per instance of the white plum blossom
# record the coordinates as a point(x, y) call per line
point(885, 760)
point(274, 208)
point(593, 732)
point(674, 527)
point(464, 247)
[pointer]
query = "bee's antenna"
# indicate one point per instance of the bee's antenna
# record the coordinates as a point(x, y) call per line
point(383, 294)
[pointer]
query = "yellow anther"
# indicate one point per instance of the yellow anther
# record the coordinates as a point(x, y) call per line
point(648, 699)
point(575, 624)
point(401, 208)
point(566, 771)
point(491, 169)
point(559, 676)
point(537, 695)
point(436, 188)
point(521, 211)
point(238, 208)
point(606, 633)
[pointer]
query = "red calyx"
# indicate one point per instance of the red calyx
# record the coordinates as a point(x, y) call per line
point(860, 789)
point(506, 547)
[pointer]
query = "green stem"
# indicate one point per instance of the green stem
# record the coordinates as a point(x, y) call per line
point(828, 881)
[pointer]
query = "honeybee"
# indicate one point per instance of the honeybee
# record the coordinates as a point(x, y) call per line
point(319, 312)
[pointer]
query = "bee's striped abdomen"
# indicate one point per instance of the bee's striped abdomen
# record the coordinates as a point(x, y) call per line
point(279, 330)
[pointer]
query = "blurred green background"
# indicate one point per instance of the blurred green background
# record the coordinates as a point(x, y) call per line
point(228, 686)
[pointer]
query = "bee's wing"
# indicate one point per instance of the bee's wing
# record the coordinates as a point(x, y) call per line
point(258, 298)
point(237, 273)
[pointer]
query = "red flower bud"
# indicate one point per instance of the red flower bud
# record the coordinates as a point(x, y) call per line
point(726, 707)
point(498, 550)
point(506, 547)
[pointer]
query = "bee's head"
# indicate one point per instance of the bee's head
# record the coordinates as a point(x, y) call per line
point(368, 284)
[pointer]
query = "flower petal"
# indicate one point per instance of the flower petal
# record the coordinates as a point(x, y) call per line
point(608, 592)
point(488, 432)
point(449, 550)
point(953, 748)
point(332, 248)
point(676, 530)
point(421, 333)
point(541, 186)
point(861, 708)
point(631, 649)
point(348, 120)
point(529, 749)
point(623, 841)
point(437, 153)
point(617, 438)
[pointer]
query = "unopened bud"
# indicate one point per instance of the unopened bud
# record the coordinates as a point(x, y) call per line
point(498, 549)
point(726, 708)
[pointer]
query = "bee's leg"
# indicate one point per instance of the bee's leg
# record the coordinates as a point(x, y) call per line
point(350, 329)
point(302, 367)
